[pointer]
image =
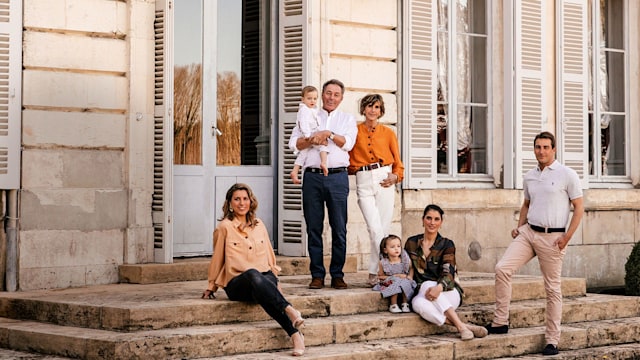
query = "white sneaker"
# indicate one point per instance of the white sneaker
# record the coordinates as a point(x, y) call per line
point(395, 309)
point(405, 308)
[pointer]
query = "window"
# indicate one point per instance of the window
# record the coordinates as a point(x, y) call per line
point(242, 127)
point(462, 89)
point(608, 118)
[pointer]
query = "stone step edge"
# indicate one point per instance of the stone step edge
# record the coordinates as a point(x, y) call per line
point(577, 339)
point(99, 344)
point(315, 303)
point(191, 269)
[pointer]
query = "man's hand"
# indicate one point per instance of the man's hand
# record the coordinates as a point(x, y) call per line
point(320, 137)
point(562, 241)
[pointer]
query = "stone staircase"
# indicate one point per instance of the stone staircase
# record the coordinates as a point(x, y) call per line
point(158, 314)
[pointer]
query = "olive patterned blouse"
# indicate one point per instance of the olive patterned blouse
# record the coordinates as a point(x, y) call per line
point(439, 265)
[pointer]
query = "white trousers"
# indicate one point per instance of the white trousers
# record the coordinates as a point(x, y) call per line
point(376, 203)
point(433, 311)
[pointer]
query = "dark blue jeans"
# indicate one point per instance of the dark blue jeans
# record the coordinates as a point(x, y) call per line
point(332, 190)
point(261, 288)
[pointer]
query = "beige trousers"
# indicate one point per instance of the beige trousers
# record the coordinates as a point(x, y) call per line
point(523, 248)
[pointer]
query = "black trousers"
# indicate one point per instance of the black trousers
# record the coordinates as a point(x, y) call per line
point(261, 288)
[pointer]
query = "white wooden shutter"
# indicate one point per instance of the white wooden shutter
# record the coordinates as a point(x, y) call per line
point(572, 119)
point(10, 93)
point(162, 208)
point(529, 112)
point(293, 74)
point(419, 127)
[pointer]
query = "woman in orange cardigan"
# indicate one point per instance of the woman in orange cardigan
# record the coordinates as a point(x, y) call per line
point(375, 160)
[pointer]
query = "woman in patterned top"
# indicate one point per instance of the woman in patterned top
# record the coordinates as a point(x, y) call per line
point(396, 274)
point(434, 263)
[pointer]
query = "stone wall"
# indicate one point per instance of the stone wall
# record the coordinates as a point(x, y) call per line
point(483, 219)
point(78, 199)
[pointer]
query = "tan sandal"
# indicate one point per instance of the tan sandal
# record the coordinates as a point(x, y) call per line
point(298, 321)
point(297, 352)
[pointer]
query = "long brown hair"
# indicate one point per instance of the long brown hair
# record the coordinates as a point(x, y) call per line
point(251, 214)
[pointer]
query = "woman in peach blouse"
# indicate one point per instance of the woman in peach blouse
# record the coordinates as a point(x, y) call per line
point(244, 264)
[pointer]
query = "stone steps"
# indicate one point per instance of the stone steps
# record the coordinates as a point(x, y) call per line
point(132, 307)
point(168, 320)
point(577, 340)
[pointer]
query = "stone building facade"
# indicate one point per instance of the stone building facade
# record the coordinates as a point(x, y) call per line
point(92, 179)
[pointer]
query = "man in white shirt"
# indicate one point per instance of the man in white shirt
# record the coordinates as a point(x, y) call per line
point(339, 134)
point(549, 192)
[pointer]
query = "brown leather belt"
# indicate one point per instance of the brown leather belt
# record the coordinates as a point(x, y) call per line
point(370, 167)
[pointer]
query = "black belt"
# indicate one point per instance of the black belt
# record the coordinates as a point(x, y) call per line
point(545, 230)
point(370, 167)
point(331, 170)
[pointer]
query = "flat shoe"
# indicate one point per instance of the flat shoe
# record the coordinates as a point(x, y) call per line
point(405, 308)
point(478, 331)
point(394, 309)
point(466, 334)
point(298, 352)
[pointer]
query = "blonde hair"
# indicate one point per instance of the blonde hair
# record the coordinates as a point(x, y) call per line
point(307, 89)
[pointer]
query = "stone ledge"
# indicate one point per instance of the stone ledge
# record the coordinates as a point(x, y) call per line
point(196, 269)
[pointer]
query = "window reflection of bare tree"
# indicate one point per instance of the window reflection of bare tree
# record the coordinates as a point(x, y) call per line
point(187, 115)
point(228, 119)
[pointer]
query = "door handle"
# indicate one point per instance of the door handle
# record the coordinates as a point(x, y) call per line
point(215, 131)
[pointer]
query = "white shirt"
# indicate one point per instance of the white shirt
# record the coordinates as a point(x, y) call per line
point(340, 124)
point(550, 192)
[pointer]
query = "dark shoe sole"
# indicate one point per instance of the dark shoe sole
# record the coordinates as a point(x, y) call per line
point(550, 350)
point(497, 329)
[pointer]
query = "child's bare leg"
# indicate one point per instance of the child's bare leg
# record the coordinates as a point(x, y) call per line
point(294, 174)
point(394, 299)
point(323, 163)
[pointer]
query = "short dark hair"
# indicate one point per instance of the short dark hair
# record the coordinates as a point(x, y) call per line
point(370, 100)
point(545, 135)
point(383, 244)
point(433, 207)
point(334, 82)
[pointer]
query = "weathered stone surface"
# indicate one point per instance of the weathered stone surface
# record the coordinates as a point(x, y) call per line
point(73, 209)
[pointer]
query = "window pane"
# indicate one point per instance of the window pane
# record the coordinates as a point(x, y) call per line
point(472, 139)
point(243, 113)
point(615, 81)
point(471, 69)
point(443, 148)
point(613, 146)
point(472, 16)
point(187, 83)
point(612, 15)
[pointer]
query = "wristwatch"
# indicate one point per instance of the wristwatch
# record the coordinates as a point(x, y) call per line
point(332, 136)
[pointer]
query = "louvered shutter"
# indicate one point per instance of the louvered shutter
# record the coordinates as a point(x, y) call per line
point(293, 75)
point(10, 93)
point(572, 119)
point(163, 133)
point(529, 64)
point(420, 94)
